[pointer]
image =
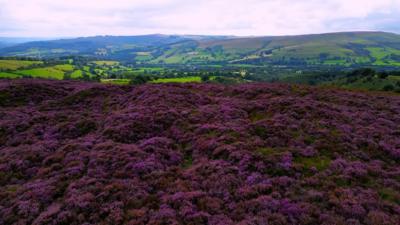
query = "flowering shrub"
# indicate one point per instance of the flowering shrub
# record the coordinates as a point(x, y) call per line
point(86, 153)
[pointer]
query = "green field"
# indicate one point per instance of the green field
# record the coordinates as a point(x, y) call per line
point(115, 81)
point(65, 67)
point(16, 64)
point(382, 56)
point(47, 72)
point(106, 63)
point(76, 74)
point(8, 75)
point(394, 78)
point(178, 80)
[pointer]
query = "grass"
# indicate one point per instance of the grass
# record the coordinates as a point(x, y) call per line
point(47, 72)
point(115, 81)
point(76, 74)
point(390, 194)
point(320, 163)
point(16, 64)
point(335, 62)
point(9, 75)
point(257, 116)
point(394, 78)
point(178, 80)
point(267, 151)
point(106, 63)
point(64, 67)
point(381, 54)
point(144, 57)
point(188, 162)
point(375, 84)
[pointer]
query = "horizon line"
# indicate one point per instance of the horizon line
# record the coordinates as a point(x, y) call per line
point(182, 34)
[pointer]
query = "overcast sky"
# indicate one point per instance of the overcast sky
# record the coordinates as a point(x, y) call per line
point(64, 18)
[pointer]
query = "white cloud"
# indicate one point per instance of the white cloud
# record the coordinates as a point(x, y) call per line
point(239, 17)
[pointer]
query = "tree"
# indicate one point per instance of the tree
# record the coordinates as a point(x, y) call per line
point(388, 87)
point(139, 79)
point(383, 75)
point(67, 75)
point(205, 78)
point(366, 72)
point(85, 76)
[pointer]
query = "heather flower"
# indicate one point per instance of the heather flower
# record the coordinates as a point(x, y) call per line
point(87, 153)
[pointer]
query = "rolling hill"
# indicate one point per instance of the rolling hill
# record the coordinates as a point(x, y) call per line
point(344, 49)
point(99, 46)
point(12, 41)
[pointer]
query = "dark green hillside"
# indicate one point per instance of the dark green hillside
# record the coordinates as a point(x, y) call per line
point(117, 47)
point(334, 49)
point(369, 48)
point(99, 45)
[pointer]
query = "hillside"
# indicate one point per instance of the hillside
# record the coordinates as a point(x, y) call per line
point(121, 47)
point(343, 49)
point(12, 41)
point(329, 49)
point(86, 153)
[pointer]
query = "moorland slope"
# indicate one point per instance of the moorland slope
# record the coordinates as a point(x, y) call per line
point(87, 153)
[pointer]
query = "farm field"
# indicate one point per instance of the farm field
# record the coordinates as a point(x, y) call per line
point(106, 63)
point(112, 73)
point(9, 75)
point(47, 72)
point(16, 64)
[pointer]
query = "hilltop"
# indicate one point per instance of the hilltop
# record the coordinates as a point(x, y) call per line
point(342, 49)
point(87, 153)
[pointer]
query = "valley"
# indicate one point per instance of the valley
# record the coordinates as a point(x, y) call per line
point(338, 49)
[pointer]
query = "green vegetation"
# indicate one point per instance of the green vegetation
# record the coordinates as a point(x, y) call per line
point(106, 63)
point(320, 163)
point(9, 75)
point(77, 74)
point(360, 79)
point(367, 79)
point(16, 64)
point(178, 80)
point(47, 72)
point(115, 81)
point(110, 72)
point(335, 49)
point(384, 56)
point(64, 67)
point(266, 151)
point(389, 194)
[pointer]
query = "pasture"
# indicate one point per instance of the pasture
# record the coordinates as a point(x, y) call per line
point(47, 72)
point(16, 64)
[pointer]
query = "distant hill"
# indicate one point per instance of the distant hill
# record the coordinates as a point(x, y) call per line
point(12, 41)
point(345, 49)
